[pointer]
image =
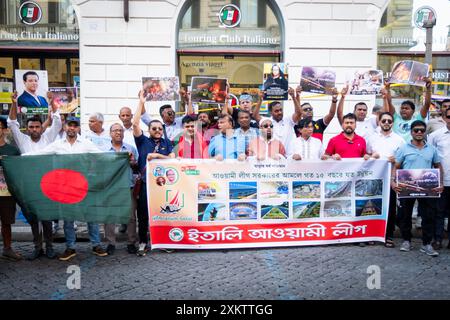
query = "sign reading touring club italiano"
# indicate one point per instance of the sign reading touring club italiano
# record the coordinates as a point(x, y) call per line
point(229, 16)
point(30, 13)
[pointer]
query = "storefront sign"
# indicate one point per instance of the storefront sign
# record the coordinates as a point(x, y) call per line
point(225, 39)
point(238, 204)
point(38, 36)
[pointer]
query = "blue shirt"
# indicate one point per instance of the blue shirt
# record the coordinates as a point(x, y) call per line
point(248, 136)
point(127, 148)
point(412, 157)
point(228, 147)
point(148, 145)
point(403, 127)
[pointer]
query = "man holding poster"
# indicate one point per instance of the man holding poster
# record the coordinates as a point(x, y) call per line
point(30, 96)
point(417, 154)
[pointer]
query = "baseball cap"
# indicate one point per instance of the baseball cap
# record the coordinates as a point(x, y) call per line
point(75, 120)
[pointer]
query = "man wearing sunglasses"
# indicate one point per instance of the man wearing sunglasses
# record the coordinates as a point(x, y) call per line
point(440, 139)
point(266, 146)
point(382, 145)
point(404, 119)
point(153, 147)
point(417, 154)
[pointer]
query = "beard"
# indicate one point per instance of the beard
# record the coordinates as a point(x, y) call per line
point(349, 130)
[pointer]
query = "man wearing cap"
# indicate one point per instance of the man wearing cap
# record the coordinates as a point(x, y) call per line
point(74, 143)
point(245, 104)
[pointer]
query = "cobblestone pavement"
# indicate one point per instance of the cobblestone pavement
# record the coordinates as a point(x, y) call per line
point(320, 272)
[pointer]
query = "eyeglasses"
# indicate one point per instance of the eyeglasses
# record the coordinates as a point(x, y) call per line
point(386, 121)
point(157, 129)
point(117, 130)
point(417, 130)
point(307, 109)
point(267, 126)
point(170, 113)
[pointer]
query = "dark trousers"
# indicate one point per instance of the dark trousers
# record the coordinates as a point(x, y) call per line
point(37, 234)
point(142, 215)
point(426, 210)
point(443, 208)
point(392, 213)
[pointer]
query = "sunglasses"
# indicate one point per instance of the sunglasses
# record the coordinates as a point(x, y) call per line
point(307, 109)
point(417, 130)
point(170, 113)
point(386, 121)
point(267, 126)
point(447, 116)
point(157, 129)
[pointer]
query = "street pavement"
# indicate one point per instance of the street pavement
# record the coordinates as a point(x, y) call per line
point(292, 273)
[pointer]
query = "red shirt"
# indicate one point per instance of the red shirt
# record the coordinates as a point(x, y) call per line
point(197, 149)
point(346, 148)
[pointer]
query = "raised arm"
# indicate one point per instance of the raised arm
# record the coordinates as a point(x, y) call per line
point(388, 106)
point(427, 101)
point(13, 110)
point(137, 131)
point(340, 108)
point(257, 108)
point(297, 104)
point(56, 123)
point(327, 119)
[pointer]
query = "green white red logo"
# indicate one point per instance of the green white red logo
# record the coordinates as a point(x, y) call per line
point(423, 15)
point(230, 16)
point(30, 13)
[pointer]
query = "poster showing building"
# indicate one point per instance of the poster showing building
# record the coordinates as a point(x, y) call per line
point(409, 72)
point(208, 89)
point(366, 82)
point(317, 80)
point(418, 183)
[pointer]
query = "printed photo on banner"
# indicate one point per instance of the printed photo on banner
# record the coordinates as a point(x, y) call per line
point(208, 89)
point(368, 207)
point(274, 190)
point(161, 88)
point(211, 191)
point(243, 190)
point(6, 88)
point(418, 183)
point(317, 80)
point(369, 188)
point(409, 72)
point(338, 189)
point(275, 210)
point(243, 211)
point(306, 209)
point(275, 81)
point(32, 88)
point(367, 82)
point(337, 208)
point(66, 98)
point(212, 212)
point(306, 189)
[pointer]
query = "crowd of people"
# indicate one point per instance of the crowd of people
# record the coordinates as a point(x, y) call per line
point(401, 137)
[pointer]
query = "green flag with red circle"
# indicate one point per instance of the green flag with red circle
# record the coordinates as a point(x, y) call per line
point(91, 187)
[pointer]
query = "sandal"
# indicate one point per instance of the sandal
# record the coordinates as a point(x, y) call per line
point(389, 243)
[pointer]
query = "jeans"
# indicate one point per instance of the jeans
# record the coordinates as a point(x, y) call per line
point(71, 237)
point(390, 228)
point(142, 215)
point(427, 211)
point(443, 208)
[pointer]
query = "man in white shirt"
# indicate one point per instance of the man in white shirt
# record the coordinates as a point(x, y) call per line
point(96, 133)
point(440, 139)
point(306, 147)
point(74, 144)
point(364, 127)
point(34, 141)
point(126, 115)
point(382, 145)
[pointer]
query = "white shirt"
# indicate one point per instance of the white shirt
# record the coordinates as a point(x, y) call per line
point(64, 147)
point(440, 139)
point(384, 145)
point(366, 128)
point(310, 149)
point(24, 141)
point(283, 130)
point(102, 140)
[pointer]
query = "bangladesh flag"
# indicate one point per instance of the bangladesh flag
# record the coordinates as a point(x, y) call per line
point(230, 15)
point(91, 187)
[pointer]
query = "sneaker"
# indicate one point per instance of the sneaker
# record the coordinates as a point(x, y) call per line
point(131, 248)
point(67, 255)
point(437, 245)
point(50, 253)
point(35, 254)
point(141, 251)
point(428, 249)
point(123, 228)
point(110, 249)
point(11, 255)
point(98, 251)
point(168, 250)
point(419, 222)
point(406, 246)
